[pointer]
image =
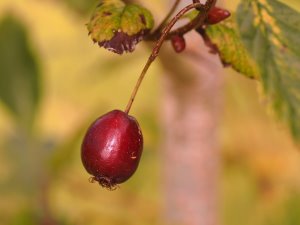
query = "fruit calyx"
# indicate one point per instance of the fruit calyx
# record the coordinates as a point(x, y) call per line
point(104, 182)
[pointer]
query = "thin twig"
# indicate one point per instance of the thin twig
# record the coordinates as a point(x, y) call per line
point(166, 19)
point(196, 22)
point(205, 8)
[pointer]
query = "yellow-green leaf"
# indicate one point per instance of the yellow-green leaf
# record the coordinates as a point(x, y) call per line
point(231, 49)
point(119, 27)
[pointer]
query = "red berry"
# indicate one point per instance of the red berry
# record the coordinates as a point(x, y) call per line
point(178, 43)
point(216, 15)
point(112, 148)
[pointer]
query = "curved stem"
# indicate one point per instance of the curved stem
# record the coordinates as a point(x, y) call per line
point(205, 8)
point(196, 22)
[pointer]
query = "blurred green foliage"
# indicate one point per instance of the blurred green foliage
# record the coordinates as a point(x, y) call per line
point(19, 72)
point(81, 6)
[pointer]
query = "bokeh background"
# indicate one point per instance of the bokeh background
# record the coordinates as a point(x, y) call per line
point(59, 82)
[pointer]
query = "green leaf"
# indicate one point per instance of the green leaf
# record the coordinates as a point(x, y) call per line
point(119, 27)
point(19, 73)
point(270, 30)
point(232, 51)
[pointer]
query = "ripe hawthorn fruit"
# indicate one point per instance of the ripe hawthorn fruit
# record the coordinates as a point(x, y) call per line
point(178, 43)
point(112, 148)
point(216, 15)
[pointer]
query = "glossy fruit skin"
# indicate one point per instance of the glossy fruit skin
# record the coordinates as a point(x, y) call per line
point(112, 148)
point(178, 43)
point(216, 15)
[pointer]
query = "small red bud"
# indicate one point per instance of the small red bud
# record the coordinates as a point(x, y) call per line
point(178, 43)
point(216, 15)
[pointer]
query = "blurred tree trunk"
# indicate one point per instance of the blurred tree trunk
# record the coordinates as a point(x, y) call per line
point(191, 106)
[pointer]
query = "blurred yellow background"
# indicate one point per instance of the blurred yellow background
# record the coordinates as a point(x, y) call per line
point(261, 165)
